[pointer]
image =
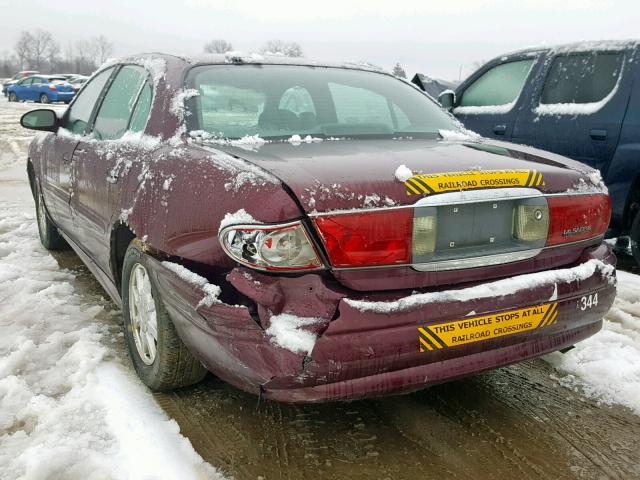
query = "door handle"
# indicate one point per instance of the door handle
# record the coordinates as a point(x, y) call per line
point(80, 150)
point(500, 129)
point(598, 134)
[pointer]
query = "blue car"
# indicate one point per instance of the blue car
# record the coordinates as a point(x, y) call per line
point(581, 101)
point(41, 88)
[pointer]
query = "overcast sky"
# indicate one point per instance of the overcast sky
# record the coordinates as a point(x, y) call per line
point(439, 38)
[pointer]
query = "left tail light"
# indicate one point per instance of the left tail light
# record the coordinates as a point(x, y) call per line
point(53, 87)
point(284, 247)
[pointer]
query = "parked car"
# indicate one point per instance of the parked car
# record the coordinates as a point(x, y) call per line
point(41, 88)
point(78, 81)
point(17, 77)
point(360, 245)
point(580, 100)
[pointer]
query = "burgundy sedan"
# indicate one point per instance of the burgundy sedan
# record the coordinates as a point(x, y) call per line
point(313, 232)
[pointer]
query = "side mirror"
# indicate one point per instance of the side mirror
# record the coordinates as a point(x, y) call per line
point(41, 119)
point(447, 99)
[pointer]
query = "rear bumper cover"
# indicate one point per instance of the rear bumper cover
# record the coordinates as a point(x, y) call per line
point(376, 351)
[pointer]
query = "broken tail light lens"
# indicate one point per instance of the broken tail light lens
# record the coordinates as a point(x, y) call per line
point(578, 217)
point(366, 239)
point(270, 247)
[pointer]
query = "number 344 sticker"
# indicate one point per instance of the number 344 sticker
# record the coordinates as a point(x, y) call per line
point(588, 301)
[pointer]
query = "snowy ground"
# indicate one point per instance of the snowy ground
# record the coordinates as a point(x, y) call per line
point(70, 405)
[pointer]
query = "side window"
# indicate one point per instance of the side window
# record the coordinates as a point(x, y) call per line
point(356, 105)
point(37, 80)
point(116, 109)
point(26, 81)
point(500, 85)
point(141, 112)
point(79, 113)
point(582, 78)
point(297, 100)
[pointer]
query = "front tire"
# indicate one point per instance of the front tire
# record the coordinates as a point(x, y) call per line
point(159, 357)
point(50, 238)
point(634, 238)
point(13, 97)
point(44, 98)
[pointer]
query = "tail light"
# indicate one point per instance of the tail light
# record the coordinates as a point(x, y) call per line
point(463, 235)
point(284, 247)
point(368, 238)
point(575, 218)
point(53, 87)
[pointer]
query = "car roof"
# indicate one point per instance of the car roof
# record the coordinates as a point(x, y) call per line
point(586, 46)
point(239, 58)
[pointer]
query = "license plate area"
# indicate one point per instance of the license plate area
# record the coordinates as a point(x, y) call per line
point(484, 231)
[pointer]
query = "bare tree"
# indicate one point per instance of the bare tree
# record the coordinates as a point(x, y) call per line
point(23, 49)
point(279, 47)
point(398, 71)
point(41, 45)
point(102, 48)
point(218, 45)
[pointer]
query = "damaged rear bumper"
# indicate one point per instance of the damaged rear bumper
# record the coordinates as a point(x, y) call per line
point(380, 344)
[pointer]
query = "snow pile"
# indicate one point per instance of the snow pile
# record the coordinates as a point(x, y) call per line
point(297, 139)
point(499, 288)
point(211, 292)
point(403, 173)
point(177, 106)
point(461, 135)
point(240, 217)
point(606, 366)
point(287, 331)
point(485, 109)
point(68, 408)
point(595, 184)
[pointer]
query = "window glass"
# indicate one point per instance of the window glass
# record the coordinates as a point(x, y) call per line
point(79, 113)
point(582, 78)
point(37, 80)
point(26, 81)
point(141, 112)
point(297, 100)
point(285, 100)
point(355, 105)
point(116, 109)
point(500, 85)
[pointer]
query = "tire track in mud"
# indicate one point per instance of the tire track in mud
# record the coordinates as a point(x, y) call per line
point(516, 422)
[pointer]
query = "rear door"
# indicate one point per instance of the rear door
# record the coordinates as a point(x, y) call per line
point(582, 104)
point(489, 101)
point(101, 165)
point(59, 166)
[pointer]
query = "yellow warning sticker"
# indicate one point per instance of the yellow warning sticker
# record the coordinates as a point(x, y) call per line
point(430, 183)
point(477, 329)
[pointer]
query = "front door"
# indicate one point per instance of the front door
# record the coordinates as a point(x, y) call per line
point(488, 103)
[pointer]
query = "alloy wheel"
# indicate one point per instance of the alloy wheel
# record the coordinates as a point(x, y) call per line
point(142, 314)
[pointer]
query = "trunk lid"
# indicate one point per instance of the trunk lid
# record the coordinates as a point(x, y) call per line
point(353, 174)
point(474, 242)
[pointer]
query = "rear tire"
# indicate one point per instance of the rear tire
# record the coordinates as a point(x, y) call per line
point(13, 97)
point(159, 357)
point(50, 238)
point(44, 98)
point(634, 238)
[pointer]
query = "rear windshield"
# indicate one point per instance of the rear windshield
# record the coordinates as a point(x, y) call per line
point(234, 101)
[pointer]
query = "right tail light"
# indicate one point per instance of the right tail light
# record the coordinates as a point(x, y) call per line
point(577, 217)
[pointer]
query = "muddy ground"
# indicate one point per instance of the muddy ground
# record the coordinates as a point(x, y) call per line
point(516, 422)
